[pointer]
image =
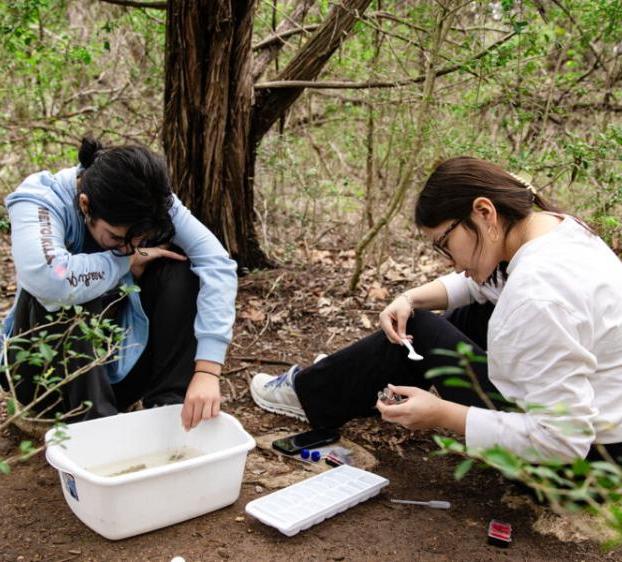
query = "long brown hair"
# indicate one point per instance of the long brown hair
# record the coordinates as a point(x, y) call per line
point(449, 192)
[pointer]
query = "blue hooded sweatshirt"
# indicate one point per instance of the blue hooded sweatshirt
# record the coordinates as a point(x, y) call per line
point(48, 236)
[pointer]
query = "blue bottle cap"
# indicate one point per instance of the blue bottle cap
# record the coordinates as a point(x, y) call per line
point(316, 456)
point(305, 454)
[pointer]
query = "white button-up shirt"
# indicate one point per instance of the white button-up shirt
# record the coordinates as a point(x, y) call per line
point(554, 346)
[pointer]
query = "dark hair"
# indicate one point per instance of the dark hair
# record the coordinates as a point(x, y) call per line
point(127, 186)
point(449, 192)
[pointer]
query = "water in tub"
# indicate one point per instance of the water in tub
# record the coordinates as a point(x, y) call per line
point(142, 462)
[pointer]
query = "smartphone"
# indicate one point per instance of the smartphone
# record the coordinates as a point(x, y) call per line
point(293, 444)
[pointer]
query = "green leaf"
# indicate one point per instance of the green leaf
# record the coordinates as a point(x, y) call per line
point(47, 352)
point(26, 447)
point(5, 468)
point(464, 348)
point(438, 371)
point(11, 407)
point(446, 352)
point(463, 468)
point(456, 382)
point(504, 460)
point(580, 467)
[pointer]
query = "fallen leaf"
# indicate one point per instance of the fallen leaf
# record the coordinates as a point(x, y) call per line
point(366, 322)
point(253, 314)
point(377, 293)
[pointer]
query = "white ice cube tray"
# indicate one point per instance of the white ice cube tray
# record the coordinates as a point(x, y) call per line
point(309, 502)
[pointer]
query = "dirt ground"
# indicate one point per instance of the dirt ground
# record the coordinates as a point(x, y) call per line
point(288, 315)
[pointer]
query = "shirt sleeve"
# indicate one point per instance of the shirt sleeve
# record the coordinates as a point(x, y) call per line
point(461, 291)
point(213, 325)
point(47, 270)
point(542, 351)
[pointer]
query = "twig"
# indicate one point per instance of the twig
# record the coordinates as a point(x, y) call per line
point(261, 360)
point(336, 84)
point(136, 4)
point(278, 37)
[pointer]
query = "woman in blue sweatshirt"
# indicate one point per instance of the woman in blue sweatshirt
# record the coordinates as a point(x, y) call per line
point(78, 235)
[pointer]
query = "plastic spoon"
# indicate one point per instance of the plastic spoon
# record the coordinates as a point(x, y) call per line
point(412, 354)
point(434, 504)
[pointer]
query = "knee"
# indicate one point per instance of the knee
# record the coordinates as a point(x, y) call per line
point(421, 320)
point(173, 277)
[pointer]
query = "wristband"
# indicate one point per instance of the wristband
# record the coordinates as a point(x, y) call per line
point(209, 373)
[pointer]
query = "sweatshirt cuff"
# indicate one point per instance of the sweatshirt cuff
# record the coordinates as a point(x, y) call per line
point(457, 289)
point(122, 263)
point(211, 349)
point(481, 428)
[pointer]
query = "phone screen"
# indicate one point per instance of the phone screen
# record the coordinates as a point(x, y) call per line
point(307, 440)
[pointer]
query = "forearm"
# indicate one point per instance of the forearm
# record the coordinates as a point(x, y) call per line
point(452, 416)
point(431, 296)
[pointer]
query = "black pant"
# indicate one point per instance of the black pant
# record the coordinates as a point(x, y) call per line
point(345, 385)
point(161, 375)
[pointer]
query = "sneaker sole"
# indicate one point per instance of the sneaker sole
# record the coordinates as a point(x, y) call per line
point(283, 410)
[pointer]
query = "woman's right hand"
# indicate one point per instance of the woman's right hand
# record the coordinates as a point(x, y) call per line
point(394, 317)
point(142, 256)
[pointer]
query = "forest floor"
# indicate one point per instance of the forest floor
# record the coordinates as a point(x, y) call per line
point(288, 315)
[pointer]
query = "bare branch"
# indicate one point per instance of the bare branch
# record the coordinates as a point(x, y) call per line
point(306, 64)
point(272, 44)
point(278, 37)
point(136, 4)
point(377, 84)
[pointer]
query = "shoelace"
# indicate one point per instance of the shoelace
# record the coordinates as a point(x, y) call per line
point(282, 379)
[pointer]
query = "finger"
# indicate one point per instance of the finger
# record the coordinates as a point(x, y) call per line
point(386, 323)
point(171, 255)
point(401, 325)
point(390, 416)
point(389, 411)
point(207, 410)
point(196, 414)
point(405, 390)
point(186, 415)
point(216, 407)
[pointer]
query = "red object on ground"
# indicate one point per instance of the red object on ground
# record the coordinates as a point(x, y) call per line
point(499, 533)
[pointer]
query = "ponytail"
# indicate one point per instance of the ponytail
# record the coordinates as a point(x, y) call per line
point(89, 148)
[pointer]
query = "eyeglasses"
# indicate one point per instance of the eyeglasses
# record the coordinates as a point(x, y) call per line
point(129, 251)
point(439, 245)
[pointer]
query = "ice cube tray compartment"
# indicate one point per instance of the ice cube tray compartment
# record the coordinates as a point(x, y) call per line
point(309, 502)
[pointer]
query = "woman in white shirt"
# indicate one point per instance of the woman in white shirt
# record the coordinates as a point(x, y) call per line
point(538, 292)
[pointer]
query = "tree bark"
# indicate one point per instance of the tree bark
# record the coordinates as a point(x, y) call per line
point(207, 99)
point(210, 134)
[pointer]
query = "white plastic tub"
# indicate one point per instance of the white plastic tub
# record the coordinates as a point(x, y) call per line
point(122, 506)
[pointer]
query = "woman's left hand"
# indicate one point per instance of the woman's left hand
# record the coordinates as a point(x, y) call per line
point(202, 400)
point(423, 410)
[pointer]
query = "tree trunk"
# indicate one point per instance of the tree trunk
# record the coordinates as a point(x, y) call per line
point(207, 105)
point(209, 134)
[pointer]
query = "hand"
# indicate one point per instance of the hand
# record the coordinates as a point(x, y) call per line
point(202, 400)
point(142, 256)
point(423, 410)
point(394, 317)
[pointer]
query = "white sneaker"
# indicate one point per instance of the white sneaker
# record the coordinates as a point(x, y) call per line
point(276, 394)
